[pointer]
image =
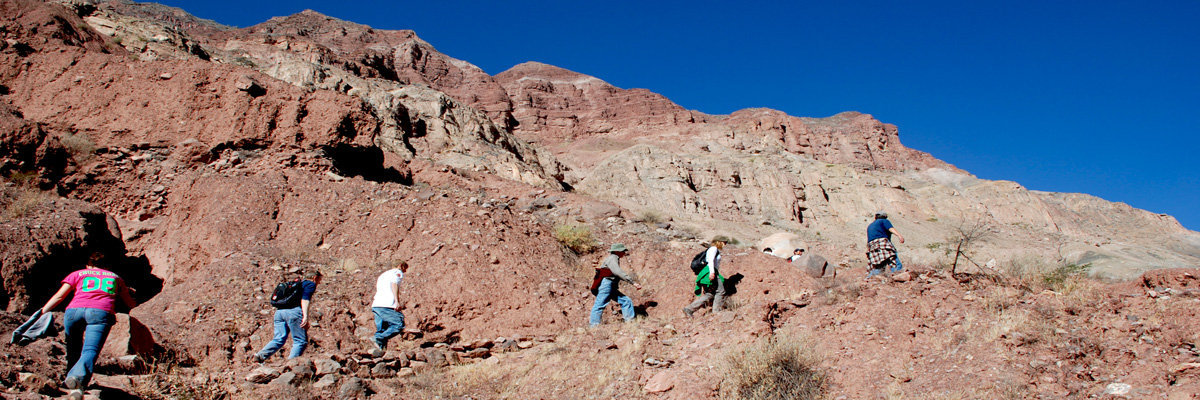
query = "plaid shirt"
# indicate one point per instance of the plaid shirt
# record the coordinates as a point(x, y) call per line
point(880, 251)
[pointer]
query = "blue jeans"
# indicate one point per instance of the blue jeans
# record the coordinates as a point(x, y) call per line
point(287, 320)
point(388, 324)
point(608, 291)
point(86, 330)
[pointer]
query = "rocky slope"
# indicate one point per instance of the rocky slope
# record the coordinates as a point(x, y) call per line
point(214, 160)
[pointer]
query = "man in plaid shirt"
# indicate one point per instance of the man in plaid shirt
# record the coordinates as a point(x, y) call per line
point(880, 251)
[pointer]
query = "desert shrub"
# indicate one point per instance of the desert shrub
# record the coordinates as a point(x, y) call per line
point(578, 238)
point(1058, 277)
point(78, 144)
point(1031, 274)
point(24, 199)
point(650, 217)
point(779, 367)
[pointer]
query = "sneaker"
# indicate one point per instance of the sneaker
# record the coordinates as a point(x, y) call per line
point(376, 349)
point(258, 358)
point(72, 383)
point(687, 312)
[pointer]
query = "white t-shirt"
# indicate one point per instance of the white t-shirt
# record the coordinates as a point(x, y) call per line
point(794, 257)
point(384, 297)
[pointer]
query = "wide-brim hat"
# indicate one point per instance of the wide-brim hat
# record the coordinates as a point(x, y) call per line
point(617, 247)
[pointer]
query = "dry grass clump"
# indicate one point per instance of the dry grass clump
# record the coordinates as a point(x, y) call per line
point(779, 367)
point(1034, 275)
point(578, 238)
point(78, 144)
point(23, 199)
point(650, 217)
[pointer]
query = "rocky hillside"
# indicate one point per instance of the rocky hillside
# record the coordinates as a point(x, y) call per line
point(212, 160)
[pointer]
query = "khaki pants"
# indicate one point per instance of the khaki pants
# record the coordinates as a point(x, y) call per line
point(718, 300)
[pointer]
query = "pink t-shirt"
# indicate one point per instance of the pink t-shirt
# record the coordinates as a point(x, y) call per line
point(95, 288)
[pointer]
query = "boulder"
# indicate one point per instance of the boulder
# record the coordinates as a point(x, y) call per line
point(478, 353)
point(660, 382)
point(287, 379)
point(262, 375)
point(436, 357)
point(35, 383)
point(326, 366)
point(597, 210)
point(132, 364)
point(129, 337)
point(326, 381)
point(381, 370)
point(302, 367)
point(353, 388)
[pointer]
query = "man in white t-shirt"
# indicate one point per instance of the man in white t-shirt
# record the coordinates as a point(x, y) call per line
point(389, 322)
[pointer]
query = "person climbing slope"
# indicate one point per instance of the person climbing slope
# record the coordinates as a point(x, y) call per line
point(291, 315)
point(710, 285)
point(606, 285)
point(389, 321)
point(88, 317)
point(880, 251)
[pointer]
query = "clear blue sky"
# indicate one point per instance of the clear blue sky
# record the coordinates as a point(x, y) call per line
point(1099, 97)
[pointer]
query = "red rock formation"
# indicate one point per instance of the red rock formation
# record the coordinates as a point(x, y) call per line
point(555, 104)
point(846, 138)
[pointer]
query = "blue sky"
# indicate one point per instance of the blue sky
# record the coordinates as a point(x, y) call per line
point(1097, 97)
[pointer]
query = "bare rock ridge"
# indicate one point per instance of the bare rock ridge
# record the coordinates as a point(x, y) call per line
point(556, 104)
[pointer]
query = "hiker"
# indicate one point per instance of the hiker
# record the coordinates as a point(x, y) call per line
point(389, 321)
point(291, 300)
point(88, 317)
point(710, 285)
point(880, 251)
point(796, 254)
point(605, 285)
point(768, 250)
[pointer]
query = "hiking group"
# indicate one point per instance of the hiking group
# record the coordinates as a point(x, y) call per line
point(95, 293)
point(710, 286)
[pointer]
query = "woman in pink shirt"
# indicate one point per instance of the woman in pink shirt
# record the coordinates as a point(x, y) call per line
point(88, 317)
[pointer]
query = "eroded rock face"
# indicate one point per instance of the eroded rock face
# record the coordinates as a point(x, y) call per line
point(42, 239)
point(428, 104)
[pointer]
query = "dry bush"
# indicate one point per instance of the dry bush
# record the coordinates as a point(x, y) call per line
point(649, 217)
point(78, 144)
point(578, 238)
point(961, 242)
point(779, 367)
point(1037, 275)
point(24, 199)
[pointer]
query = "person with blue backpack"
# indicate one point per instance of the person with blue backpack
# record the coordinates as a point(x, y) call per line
point(291, 301)
point(710, 285)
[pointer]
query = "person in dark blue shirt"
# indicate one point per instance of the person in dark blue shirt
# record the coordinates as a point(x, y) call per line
point(882, 229)
point(293, 321)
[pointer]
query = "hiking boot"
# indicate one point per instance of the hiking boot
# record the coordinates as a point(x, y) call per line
point(258, 358)
point(72, 383)
point(687, 312)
